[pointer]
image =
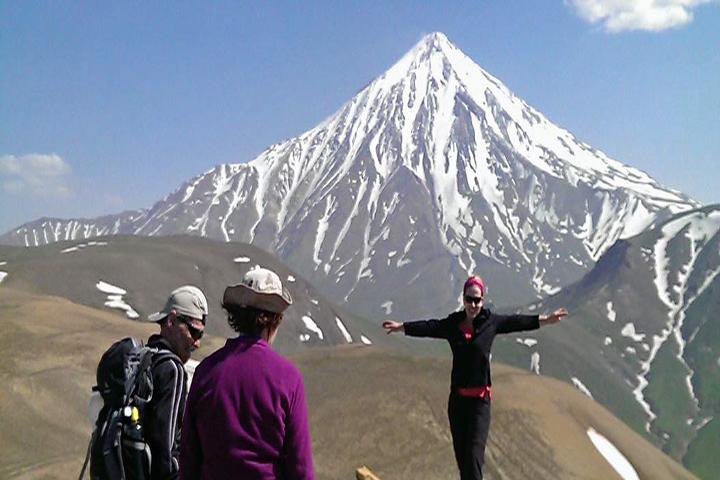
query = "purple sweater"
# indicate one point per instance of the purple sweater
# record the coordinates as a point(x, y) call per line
point(246, 417)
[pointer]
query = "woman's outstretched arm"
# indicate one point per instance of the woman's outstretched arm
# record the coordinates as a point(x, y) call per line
point(553, 317)
point(419, 328)
point(392, 326)
point(520, 323)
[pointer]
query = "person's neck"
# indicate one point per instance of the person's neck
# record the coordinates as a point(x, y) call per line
point(249, 335)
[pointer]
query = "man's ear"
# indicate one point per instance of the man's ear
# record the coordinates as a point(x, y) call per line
point(170, 317)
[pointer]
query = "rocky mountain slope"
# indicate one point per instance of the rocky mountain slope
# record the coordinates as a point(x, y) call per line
point(643, 337)
point(133, 275)
point(433, 170)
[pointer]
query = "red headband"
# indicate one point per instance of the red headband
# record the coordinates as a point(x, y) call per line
point(474, 281)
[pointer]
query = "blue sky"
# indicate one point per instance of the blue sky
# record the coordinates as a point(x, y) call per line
point(109, 106)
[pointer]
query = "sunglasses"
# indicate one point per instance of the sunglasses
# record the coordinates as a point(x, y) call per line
point(473, 300)
point(194, 332)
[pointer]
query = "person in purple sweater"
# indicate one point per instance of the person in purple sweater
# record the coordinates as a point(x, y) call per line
point(246, 416)
point(470, 333)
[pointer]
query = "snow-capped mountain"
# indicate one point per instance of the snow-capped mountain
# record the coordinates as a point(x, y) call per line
point(643, 338)
point(433, 170)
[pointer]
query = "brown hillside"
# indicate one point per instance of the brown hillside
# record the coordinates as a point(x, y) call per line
point(388, 410)
point(367, 406)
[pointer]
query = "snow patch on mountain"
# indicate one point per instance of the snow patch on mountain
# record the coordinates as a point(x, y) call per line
point(528, 342)
point(613, 456)
point(703, 422)
point(535, 363)
point(629, 331)
point(581, 386)
point(110, 289)
point(343, 330)
point(611, 315)
point(50, 231)
point(115, 298)
point(387, 306)
point(321, 230)
point(80, 246)
point(312, 326)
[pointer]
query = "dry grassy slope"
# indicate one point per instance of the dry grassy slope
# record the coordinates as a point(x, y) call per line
point(387, 410)
point(48, 353)
point(366, 405)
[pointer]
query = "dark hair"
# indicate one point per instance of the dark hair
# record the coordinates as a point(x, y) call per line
point(251, 320)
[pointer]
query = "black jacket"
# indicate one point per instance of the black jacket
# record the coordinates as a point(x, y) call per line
point(163, 414)
point(471, 359)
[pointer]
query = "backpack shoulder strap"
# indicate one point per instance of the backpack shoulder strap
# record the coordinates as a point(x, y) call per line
point(87, 456)
point(161, 354)
point(138, 360)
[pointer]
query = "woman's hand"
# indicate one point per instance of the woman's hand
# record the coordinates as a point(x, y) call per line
point(553, 317)
point(392, 326)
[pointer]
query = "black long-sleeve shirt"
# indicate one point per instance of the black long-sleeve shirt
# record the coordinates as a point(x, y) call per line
point(471, 358)
point(163, 417)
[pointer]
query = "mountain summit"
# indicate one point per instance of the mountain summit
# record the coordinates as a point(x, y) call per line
point(434, 170)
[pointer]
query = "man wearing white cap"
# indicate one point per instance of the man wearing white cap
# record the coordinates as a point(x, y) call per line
point(182, 325)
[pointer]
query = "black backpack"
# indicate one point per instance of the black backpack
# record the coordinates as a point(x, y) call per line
point(118, 450)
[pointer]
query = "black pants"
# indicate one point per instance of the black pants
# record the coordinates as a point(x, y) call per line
point(469, 425)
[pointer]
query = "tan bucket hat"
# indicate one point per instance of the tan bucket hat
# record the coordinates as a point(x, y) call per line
point(260, 288)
